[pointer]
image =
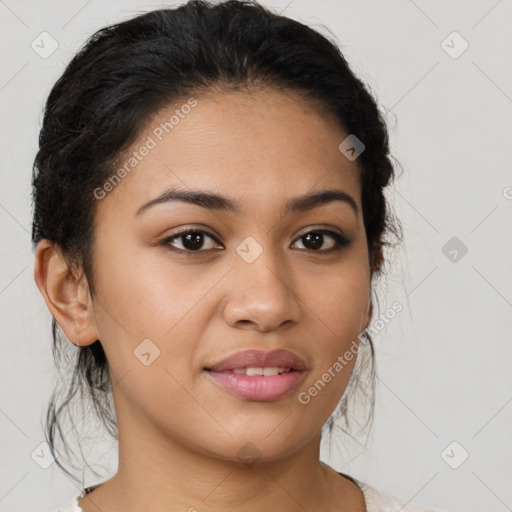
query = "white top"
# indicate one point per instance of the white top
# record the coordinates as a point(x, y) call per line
point(376, 501)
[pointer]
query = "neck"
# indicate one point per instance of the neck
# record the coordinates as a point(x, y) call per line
point(156, 472)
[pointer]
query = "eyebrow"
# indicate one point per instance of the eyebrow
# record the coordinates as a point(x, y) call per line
point(214, 201)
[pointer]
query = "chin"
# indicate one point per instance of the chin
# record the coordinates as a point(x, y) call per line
point(258, 448)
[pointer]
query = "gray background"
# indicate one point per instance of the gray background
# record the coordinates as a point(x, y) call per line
point(444, 362)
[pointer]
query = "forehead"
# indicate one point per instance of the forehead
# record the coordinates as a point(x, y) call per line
point(260, 146)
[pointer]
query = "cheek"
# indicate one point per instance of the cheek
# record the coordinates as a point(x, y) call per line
point(142, 306)
point(339, 310)
point(146, 297)
point(341, 301)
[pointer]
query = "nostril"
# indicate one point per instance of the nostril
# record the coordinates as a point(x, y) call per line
point(243, 323)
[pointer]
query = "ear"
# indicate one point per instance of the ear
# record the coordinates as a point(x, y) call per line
point(67, 298)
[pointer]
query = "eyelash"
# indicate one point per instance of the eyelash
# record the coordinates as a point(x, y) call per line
point(341, 241)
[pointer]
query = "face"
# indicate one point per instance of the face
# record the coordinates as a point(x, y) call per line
point(188, 296)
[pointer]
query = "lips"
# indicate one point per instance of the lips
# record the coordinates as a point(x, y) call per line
point(257, 375)
point(260, 359)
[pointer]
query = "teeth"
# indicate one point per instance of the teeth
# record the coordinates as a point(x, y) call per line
point(254, 371)
point(266, 371)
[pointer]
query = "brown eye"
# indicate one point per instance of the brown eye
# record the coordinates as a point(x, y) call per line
point(190, 241)
point(314, 240)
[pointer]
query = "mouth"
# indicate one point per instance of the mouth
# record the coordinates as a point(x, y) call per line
point(258, 375)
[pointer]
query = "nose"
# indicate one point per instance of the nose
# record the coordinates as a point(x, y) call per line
point(261, 295)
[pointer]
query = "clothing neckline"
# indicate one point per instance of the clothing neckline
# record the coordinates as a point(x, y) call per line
point(365, 489)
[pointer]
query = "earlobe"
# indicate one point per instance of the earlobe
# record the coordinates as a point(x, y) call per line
point(67, 297)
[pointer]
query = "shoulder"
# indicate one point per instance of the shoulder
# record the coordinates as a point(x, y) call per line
point(70, 506)
point(377, 501)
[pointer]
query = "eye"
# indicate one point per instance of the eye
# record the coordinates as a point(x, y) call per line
point(192, 240)
point(315, 240)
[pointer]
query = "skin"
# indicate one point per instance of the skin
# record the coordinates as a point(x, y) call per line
point(180, 434)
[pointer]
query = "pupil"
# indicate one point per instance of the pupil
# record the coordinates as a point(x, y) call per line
point(315, 239)
point(193, 241)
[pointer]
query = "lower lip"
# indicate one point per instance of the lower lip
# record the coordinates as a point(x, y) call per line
point(259, 388)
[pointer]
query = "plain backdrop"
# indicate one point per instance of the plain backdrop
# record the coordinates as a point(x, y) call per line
point(441, 72)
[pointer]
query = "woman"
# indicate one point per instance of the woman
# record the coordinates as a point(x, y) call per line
point(209, 219)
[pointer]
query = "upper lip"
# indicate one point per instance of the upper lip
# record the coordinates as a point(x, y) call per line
point(260, 359)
